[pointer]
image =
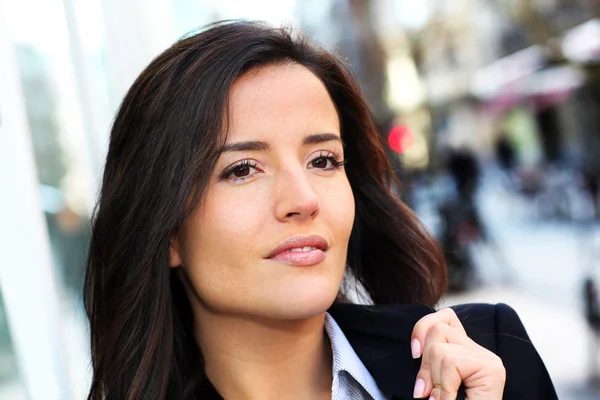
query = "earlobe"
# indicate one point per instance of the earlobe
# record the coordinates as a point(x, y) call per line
point(174, 252)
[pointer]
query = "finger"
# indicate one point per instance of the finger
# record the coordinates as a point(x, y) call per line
point(436, 336)
point(434, 350)
point(441, 333)
point(453, 367)
point(438, 394)
point(437, 372)
point(446, 316)
point(450, 377)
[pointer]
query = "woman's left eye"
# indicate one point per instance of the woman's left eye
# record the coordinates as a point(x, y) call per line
point(321, 162)
point(326, 162)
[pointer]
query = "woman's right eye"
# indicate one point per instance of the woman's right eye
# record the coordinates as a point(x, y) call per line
point(239, 172)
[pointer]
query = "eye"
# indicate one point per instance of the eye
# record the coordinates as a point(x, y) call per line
point(326, 161)
point(321, 162)
point(240, 171)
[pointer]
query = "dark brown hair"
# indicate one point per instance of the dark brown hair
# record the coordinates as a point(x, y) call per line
point(164, 143)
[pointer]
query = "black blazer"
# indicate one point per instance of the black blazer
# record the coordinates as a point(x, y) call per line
point(381, 335)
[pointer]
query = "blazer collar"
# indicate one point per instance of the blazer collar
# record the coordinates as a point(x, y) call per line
point(381, 337)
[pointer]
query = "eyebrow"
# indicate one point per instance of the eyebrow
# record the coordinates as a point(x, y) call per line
point(255, 145)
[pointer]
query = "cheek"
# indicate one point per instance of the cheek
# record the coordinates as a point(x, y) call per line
point(337, 202)
point(220, 241)
point(233, 216)
point(223, 228)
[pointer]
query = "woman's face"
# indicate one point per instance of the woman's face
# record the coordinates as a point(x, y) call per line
point(271, 236)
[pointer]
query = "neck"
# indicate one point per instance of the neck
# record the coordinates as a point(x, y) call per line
point(252, 358)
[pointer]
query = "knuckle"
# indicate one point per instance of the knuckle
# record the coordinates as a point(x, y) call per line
point(426, 320)
point(497, 365)
point(437, 350)
point(450, 361)
point(449, 312)
point(493, 359)
point(420, 327)
point(452, 318)
point(438, 328)
point(448, 392)
point(436, 392)
point(425, 370)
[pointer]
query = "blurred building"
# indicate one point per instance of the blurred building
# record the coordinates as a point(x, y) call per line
point(460, 38)
point(371, 37)
point(484, 61)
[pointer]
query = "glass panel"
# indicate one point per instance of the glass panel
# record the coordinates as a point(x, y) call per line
point(65, 158)
point(11, 387)
point(56, 126)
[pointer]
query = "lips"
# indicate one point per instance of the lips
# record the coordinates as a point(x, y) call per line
point(300, 250)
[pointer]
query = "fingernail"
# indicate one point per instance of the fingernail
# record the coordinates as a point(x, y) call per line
point(419, 389)
point(415, 347)
point(431, 398)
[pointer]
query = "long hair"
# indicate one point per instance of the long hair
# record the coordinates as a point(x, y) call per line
point(164, 143)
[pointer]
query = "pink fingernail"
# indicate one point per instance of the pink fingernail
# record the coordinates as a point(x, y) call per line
point(415, 347)
point(431, 398)
point(419, 389)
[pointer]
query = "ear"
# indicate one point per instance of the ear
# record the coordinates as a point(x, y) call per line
point(175, 251)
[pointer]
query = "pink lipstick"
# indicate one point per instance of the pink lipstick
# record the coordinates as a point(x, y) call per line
point(300, 251)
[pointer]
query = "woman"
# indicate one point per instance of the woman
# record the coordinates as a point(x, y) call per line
point(227, 221)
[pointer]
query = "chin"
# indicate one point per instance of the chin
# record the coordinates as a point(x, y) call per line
point(282, 297)
point(303, 301)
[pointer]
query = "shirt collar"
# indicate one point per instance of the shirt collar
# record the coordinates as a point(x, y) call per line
point(346, 359)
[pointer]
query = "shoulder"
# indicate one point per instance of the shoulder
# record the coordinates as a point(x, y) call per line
point(498, 328)
point(487, 323)
point(494, 326)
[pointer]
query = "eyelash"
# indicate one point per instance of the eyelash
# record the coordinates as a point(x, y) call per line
point(227, 174)
point(334, 157)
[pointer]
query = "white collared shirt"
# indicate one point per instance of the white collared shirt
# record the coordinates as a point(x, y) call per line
point(351, 379)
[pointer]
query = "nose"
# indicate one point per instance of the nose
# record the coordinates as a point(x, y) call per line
point(295, 198)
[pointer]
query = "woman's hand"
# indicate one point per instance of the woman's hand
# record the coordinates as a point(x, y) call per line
point(450, 358)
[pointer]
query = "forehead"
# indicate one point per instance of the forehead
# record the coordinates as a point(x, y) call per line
point(282, 98)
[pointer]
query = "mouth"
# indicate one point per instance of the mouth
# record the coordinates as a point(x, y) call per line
point(300, 250)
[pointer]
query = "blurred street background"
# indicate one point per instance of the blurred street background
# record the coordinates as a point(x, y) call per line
point(491, 114)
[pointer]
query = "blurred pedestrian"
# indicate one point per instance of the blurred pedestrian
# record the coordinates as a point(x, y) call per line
point(591, 184)
point(505, 154)
point(506, 158)
point(227, 221)
point(591, 301)
point(463, 166)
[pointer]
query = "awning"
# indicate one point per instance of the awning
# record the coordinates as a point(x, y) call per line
point(582, 44)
